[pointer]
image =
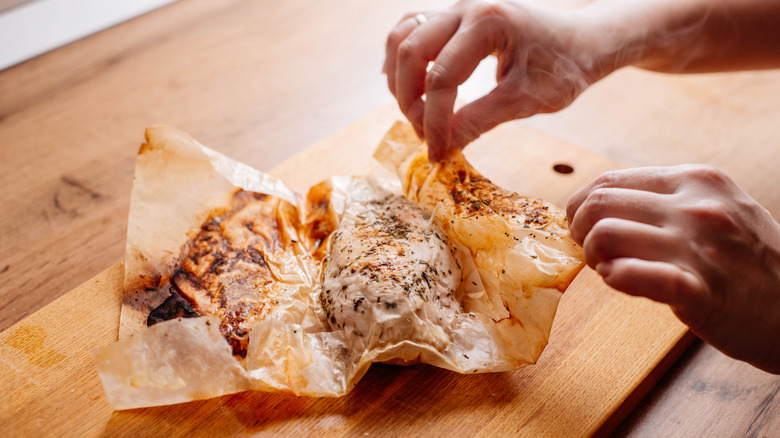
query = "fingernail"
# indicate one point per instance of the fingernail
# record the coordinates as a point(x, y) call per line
point(604, 268)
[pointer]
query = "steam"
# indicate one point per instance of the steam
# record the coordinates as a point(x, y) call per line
point(668, 36)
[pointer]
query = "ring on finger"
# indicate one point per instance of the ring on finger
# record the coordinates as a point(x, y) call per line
point(420, 19)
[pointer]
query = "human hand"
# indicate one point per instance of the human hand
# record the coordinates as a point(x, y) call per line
point(688, 236)
point(545, 60)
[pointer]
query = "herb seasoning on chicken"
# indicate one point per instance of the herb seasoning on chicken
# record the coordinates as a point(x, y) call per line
point(502, 228)
point(390, 276)
point(460, 274)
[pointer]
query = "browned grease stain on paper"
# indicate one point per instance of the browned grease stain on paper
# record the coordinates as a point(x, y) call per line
point(30, 339)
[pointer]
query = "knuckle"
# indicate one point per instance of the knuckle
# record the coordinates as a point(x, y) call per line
point(714, 214)
point(408, 49)
point(600, 240)
point(608, 179)
point(394, 38)
point(596, 203)
point(709, 252)
point(589, 213)
point(490, 13)
point(707, 174)
point(437, 77)
point(599, 197)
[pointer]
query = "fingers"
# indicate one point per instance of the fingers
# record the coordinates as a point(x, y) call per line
point(613, 238)
point(658, 281)
point(419, 48)
point(436, 123)
point(640, 258)
point(508, 101)
point(410, 47)
point(628, 204)
point(661, 180)
point(456, 61)
point(482, 115)
point(457, 51)
point(394, 39)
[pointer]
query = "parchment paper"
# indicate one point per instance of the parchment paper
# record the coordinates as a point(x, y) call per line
point(507, 299)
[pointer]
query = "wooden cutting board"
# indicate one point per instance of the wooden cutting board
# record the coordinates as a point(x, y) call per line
point(605, 352)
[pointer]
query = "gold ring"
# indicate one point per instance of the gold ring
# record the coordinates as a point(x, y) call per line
point(420, 19)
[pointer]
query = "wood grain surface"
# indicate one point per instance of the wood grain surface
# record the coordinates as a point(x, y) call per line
point(603, 347)
point(263, 80)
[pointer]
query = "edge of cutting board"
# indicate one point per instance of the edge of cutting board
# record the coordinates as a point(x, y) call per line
point(605, 353)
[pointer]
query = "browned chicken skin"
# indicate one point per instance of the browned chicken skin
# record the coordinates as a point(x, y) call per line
point(223, 270)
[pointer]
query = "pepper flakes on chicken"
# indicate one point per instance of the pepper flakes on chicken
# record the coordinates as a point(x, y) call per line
point(519, 244)
point(391, 276)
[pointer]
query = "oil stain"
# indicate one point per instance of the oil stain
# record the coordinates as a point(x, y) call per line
point(30, 340)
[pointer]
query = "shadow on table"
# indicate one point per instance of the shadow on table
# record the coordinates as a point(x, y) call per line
point(388, 398)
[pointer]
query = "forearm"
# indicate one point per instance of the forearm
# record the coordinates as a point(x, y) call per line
point(684, 36)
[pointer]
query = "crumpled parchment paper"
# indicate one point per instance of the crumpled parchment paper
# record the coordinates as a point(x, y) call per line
point(513, 275)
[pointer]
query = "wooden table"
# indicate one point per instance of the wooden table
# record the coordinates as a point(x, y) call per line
point(265, 80)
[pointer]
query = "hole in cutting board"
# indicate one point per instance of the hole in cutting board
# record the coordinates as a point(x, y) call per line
point(563, 168)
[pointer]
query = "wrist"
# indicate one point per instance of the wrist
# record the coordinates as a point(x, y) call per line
point(667, 36)
point(612, 38)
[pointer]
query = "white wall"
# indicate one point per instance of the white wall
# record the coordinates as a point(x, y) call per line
point(38, 26)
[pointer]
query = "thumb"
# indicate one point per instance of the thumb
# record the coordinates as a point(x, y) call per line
point(487, 112)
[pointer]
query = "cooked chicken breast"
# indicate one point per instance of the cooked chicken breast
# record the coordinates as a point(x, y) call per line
point(459, 274)
point(390, 276)
point(519, 244)
point(225, 269)
point(485, 218)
